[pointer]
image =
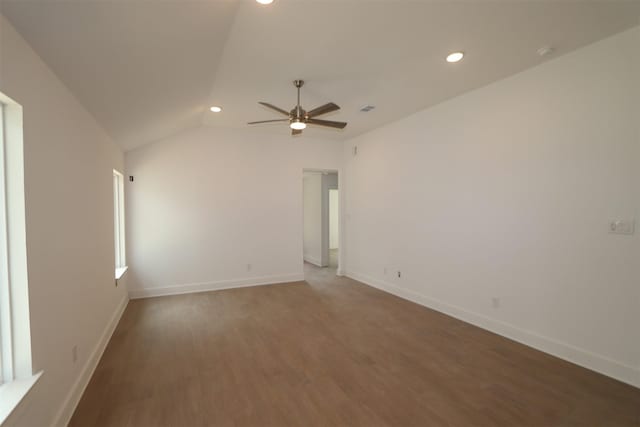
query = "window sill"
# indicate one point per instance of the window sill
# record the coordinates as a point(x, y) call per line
point(121, 271)
point(12, 393)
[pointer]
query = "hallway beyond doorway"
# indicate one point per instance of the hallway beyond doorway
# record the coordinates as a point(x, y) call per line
point(321, 218)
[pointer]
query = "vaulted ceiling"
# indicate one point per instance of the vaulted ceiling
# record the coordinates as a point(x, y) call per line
point(147, 69)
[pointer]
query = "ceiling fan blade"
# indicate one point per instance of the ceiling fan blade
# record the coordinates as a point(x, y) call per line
point(328, 123)
point(324, 109)
point(273, 107)
point(295, 132)
point(268, 121)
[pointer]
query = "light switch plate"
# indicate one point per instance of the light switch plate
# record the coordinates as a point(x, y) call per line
point(621, 226)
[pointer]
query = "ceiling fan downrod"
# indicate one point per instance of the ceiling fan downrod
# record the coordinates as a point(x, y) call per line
point(299, 112)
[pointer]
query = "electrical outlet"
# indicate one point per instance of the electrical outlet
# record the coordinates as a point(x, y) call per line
point(399, 274)
point(495, 302)
point(74, 354)
point(621, 226)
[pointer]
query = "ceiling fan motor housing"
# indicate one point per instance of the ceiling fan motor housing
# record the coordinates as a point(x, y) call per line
point(298, 113)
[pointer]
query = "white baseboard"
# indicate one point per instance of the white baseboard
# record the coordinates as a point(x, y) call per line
point(595, 362)
point(214, 286)
point(313, 260)
point(73, 398)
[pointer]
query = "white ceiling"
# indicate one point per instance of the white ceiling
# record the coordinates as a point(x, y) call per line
point(148, 69)
point(144, 69)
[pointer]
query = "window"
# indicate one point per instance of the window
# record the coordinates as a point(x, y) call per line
point(16, 375)
point(118, 223)
point(6, 369)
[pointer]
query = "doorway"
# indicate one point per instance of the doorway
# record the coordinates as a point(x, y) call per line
point(321, 212)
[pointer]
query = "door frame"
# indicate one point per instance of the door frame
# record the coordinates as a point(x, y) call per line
point(325, 215)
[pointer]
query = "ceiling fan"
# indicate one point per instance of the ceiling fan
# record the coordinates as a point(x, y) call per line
point(299, 119)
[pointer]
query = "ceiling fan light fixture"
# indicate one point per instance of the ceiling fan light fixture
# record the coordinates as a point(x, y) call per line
point(215, 109)
point(455, 56)
point(298, 125)
point(265, 1)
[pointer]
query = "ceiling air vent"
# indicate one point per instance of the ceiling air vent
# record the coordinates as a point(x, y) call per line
point(367, 108)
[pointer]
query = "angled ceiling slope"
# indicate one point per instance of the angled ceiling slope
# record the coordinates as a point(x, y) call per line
point(149, 69)
point(391, 54)
point(144, 69)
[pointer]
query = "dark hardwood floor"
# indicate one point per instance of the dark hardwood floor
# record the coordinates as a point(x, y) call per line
point(332, 352)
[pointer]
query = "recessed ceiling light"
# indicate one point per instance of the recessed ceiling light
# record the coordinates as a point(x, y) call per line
point(455, 56)
point(216, 109)
point(298, 125)
point(265, 1)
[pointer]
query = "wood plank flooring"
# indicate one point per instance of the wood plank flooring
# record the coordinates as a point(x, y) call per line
point(332, 352)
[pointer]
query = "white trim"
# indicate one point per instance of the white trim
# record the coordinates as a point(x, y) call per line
point(6, 332)
point(119, 219)
point(73, 398)
point(595, 362)
point(214, 286)
point(312, 260)
point(120, 271)
point(13, 392)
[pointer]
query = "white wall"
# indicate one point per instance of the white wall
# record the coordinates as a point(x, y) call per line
point(636, 70)
point(312, 242)
point(206, 203)
point(69, 223)
point(506, 192)
point(334, 219)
